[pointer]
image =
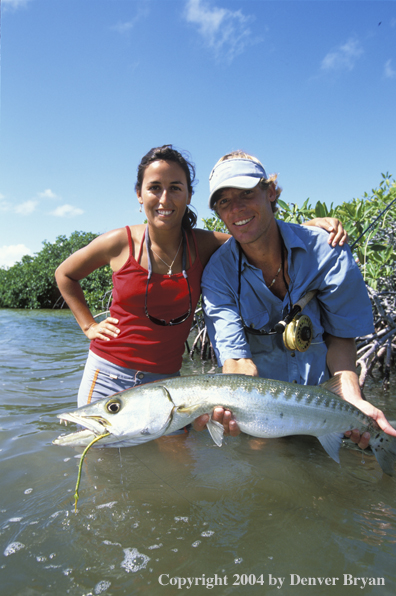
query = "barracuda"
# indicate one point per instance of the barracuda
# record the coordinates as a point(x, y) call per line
point(262, 408)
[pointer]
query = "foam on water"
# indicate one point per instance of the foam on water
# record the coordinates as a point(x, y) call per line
point(134, 560)
point(101, 587)
point(13, 548)
point(109, 505)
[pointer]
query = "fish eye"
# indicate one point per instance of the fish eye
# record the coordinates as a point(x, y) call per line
point(113, 406)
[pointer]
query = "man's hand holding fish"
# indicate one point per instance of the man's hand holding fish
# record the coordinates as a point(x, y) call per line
point(222, 416)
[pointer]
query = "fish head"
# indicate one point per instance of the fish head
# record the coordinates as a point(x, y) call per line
point(130, 417)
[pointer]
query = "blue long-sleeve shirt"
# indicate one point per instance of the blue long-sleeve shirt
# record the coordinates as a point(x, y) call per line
point(341, 306)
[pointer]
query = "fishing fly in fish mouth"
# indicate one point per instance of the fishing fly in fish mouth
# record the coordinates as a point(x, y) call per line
point(262, 408)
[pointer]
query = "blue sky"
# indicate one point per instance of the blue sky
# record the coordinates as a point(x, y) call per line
point(89, 86)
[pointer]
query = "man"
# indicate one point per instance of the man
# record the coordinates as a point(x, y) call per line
point(252, 282)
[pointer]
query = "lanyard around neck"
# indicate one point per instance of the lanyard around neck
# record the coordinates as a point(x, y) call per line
point(246, 327)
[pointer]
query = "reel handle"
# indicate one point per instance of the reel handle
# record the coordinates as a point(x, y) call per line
point(297, 308)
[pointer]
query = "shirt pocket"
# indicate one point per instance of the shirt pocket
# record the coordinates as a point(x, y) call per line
point(256, 320)
point(259, 343)
point(271, 345)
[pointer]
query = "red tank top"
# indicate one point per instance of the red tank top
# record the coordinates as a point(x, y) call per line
point(141, 344)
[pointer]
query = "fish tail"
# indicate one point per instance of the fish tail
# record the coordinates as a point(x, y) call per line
point(384, 449)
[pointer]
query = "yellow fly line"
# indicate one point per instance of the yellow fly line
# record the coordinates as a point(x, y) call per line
point(80, 467)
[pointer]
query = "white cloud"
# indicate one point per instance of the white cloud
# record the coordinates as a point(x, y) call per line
point(4, 205)
point(224, 31)
point(344, 57)
point(9, 255)
point(26, 208)
point(15, 3)
point(47, 194)
point(67, 211)
point(30, 206)
point(390, 73)
point(126, 26)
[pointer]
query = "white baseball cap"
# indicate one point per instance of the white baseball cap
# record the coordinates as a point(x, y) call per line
point(234, 173)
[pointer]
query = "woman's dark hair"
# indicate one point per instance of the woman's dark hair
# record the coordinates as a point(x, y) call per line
point(168, 153)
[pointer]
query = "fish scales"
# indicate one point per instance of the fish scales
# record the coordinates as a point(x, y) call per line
point(261, 407)
point(270, 398)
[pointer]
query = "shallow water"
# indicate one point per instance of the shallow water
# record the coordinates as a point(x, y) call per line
point(243, 517)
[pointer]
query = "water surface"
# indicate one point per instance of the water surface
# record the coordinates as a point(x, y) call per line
point(245, 516)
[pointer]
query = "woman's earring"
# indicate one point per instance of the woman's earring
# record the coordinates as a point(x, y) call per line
point(140, 208)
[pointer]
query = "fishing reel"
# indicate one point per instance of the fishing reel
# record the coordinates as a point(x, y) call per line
point(298, 334)
point(297, 329)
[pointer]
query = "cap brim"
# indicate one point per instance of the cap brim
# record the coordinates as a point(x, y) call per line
point(242, 182)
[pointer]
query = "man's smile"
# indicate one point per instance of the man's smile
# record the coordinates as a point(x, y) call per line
point(242, 222)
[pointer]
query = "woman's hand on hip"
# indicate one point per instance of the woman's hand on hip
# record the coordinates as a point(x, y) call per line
point(104, 330)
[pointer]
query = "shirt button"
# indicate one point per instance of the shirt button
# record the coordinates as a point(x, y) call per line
point(294, 381)
point(293, 354)
point(140, 376)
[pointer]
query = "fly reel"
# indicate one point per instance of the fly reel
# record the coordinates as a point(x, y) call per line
point(298, 333)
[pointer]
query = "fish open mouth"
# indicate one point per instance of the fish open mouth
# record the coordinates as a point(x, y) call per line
point(94, 426)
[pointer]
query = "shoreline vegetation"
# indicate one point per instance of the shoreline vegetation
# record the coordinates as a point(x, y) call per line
point(30, 283)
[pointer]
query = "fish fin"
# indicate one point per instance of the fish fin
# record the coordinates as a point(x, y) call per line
point(385, 452)
point(334, 385)
point(188, 410)
point(216, 431)
point(331, 444)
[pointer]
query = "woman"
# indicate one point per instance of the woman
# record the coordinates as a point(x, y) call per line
point(156, 277)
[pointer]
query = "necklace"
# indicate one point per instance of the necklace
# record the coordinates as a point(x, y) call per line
point(171, 265)
point(279, 270)
point(276, 275)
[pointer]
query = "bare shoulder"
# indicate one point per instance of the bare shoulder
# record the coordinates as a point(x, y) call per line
point(96, 254)
point(116, 240)
point(110, 243)
point(208, 242)
point(215, 239)
point(118, 245)
point(137, 233)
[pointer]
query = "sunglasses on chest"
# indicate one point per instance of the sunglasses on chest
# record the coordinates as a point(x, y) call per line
point(182, 318)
